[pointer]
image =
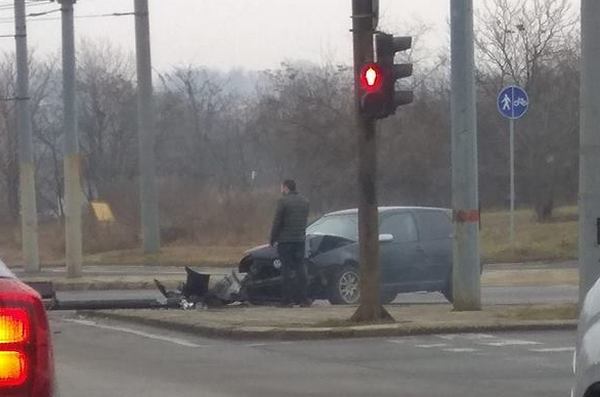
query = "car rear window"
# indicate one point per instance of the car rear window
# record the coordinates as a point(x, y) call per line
point(401, 226)
point(434, 225)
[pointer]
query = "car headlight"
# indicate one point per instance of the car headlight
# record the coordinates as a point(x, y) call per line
point(277, 264)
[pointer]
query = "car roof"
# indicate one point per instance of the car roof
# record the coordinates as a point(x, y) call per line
point(390, 209)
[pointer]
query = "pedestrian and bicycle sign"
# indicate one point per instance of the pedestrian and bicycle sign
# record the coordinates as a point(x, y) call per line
point(513, 102)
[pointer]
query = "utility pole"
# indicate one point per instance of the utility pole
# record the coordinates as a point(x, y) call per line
point(29, 223)
point(73, 196)
point(368, 217)
point(146, 131)
point(589, 153)
point(465, 202)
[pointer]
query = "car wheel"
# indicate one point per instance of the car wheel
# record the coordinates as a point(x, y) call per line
point(447, 291)
point(345, 287)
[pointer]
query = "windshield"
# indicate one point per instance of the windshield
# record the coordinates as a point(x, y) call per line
point(345, 226)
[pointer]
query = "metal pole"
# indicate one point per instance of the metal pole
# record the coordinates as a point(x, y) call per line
point(368, 218)
point(73, 194)
point(589, 157)
point(29, 223)
point(466, 269)
point(148, 188)
point(512, 182)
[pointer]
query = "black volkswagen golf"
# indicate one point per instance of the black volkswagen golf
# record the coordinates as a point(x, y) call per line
point(415, 255)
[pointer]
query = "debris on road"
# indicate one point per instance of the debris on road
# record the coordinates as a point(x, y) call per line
point(195, 292)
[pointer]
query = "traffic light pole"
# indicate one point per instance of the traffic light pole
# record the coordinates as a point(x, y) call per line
point(29, 223)
point(589, 154)
point(465, 203)
point(148, 188)
point(370, 308)
point(73, 194)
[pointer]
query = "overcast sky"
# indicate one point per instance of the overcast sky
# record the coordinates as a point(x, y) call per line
point(225, 34)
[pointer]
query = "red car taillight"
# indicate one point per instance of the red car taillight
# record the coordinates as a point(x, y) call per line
point(13, 368)
point(26, 366)
point(14, 325)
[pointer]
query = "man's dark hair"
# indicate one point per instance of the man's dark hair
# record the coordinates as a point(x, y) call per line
point(290, 184)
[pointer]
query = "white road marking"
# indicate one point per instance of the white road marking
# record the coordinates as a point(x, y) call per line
point(176, 341)
point(256, 344)
point(433, 345)
point(553, 350)
point(465, 336)
point(461, 350)
point(509, 342)
point(448, 337)
point(396, 341)
point(479, 336)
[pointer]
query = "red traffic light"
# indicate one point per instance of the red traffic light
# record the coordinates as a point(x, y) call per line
point(371, 77)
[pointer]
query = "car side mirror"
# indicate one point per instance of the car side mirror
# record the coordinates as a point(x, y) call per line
point(386, 238)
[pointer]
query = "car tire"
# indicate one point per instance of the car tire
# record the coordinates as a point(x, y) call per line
point(448, 291)
point(344, 286)
point(388, 297)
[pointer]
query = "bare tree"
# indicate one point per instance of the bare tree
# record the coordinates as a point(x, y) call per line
point(526, 43)
point(106, 115)
point(9, 162)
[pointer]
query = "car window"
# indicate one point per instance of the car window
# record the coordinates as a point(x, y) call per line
point(401, 226)
point(435, 225)
point(345, 226)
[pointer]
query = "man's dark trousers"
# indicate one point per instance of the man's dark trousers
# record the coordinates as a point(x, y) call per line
point(294, 290)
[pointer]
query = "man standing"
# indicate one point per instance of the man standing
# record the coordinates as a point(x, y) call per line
point(288, 234)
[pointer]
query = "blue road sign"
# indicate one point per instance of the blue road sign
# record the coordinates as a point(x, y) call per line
point(513, 102)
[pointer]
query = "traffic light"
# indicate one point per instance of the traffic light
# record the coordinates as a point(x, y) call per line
point(386, 47)
point(372, 80)
point(380, 98)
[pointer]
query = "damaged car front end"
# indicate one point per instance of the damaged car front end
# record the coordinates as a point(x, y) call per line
point(324, 257)
point(259, 281)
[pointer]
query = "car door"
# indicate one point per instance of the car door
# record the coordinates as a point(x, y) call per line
point(435, 235)
point(402, 258)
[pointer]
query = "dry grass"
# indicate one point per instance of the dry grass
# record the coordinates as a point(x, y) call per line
point(530, 277)
point(565, 311)
point(554, 240)
point(173, 255)
point(225, 230)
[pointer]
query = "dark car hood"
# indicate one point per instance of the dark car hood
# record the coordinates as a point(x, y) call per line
point(262, 252)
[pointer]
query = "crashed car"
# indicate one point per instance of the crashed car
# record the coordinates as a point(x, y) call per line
point(415, 255)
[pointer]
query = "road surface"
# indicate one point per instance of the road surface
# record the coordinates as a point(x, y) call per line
point(490, 295)
point(97, 359)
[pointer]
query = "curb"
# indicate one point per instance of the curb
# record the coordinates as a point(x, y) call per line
point(149, 263)
point(358, 331)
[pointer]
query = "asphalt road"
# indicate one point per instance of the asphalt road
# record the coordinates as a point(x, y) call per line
point(109, 359)
point(490, 295)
